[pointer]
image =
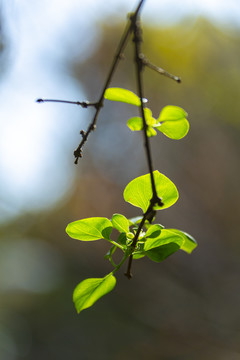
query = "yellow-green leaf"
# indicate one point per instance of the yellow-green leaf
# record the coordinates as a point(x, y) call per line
point(122, 95)
point(90, 229)
point(89, 291)
point(139, 191)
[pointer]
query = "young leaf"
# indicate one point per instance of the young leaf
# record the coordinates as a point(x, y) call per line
point(153, 231)
point(160, 247)
point(139, 191)
point(122, 239)
point(138, 255)
point(151, 131)
point(135, 220)
point(90, 229)
point(189, 243)
point(120, 223)
point(162, 252)
point(122, 95)
point(90, 290)
point(136, 123)
point(173, 122)
point(166, 237)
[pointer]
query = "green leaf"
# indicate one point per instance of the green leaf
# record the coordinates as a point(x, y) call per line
point(154, 231)
point(120, 222)
point(151, 131)
point(173, 122)
point(122, 239)
point(172, 113)
point(136, 123)
point(122, 95)
point(89, 291)
point(160, 247)
point(162, 252)
point(90, 229)
point(189, 243)
point(166, 237)
point(139, 191)
point(138, 255)
point(135, 220)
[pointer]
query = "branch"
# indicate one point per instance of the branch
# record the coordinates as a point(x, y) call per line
point(149, 214)
point(83, 104)
point(118, 56)
point(134, 243)
point(161, 71)
point(99, 104)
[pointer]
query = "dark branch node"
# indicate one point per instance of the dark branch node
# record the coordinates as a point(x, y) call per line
point(156, 201)
point(121, 56)
point(78, 154)
point(85, 104)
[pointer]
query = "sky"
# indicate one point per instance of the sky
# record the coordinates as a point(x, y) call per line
point(36, 161)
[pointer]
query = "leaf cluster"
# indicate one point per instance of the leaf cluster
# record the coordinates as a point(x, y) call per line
point(172, 120)
point(154, 241)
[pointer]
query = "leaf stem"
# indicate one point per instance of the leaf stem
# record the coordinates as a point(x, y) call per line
point(126, 255)
point(116, 244)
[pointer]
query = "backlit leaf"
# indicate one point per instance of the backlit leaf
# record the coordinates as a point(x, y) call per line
point(172, 122)
point(162, 252)
point(89, 291)
point(166, 237)
point(120, 223)
point(139, 191)
point(154, 231)
point(122, 95)
point(90, 229)
point(160, 247)
point(189, 243)
point(136, 123)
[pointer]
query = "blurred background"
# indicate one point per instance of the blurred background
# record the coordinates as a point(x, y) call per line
point(186, 308)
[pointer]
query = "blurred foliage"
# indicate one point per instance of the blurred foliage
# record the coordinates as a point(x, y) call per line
point(197, 316)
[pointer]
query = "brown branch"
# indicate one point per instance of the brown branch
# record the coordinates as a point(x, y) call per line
point(161, 71)
point(84, 104)
point(135, 240)
point(149, 214)
point(99, 104)
point(123, 42)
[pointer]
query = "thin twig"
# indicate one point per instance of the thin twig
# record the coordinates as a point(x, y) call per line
point(83, 104)
point(123, 42)
point(161, 71)
point(134, 242)
point(99, 104)
point(149, 214)
point(139, 68)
